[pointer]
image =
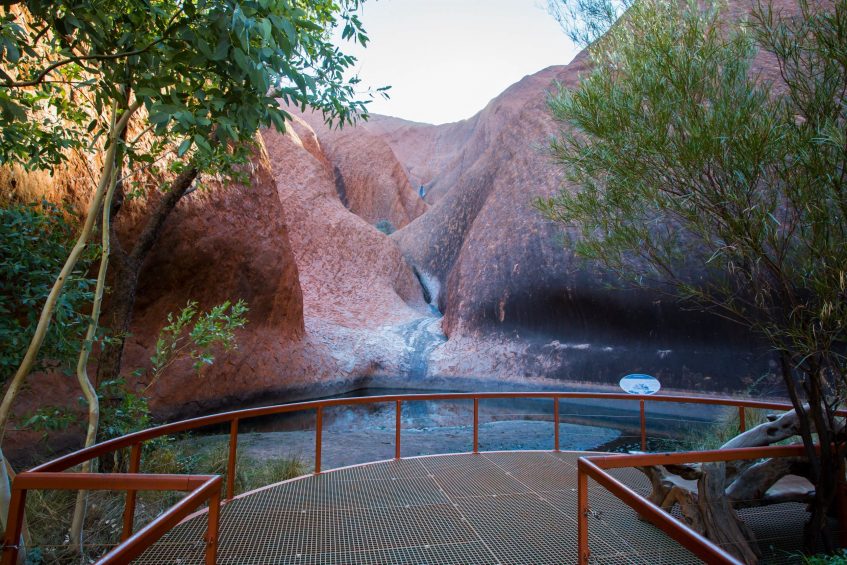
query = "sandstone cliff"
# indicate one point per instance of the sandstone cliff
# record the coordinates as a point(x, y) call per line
point(329, 294)
point(334, 302)
point(369, 180)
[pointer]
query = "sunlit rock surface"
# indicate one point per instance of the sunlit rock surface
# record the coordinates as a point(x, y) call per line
point(369, 180)
point(335, 302)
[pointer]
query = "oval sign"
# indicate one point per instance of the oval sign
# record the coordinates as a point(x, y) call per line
point(640, 384)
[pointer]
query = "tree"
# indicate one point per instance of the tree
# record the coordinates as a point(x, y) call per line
point(696, 176)
point(162, 90)
point(585, 21)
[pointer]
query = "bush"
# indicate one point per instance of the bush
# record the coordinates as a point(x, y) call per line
point(36, 239)
point(835, 559)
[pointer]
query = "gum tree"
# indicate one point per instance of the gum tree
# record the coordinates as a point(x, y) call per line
point(690, 173)
point(161, 90)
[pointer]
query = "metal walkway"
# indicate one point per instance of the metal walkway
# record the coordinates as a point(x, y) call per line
point(507, 508)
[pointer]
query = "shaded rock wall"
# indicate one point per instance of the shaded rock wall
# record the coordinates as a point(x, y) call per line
point(221, 243)
point(517, 304)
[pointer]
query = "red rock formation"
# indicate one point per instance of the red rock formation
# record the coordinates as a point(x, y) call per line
point(516, 302)
point(351, 274)
point(369, 179)
point(324, 286)
point(502, 165)
point(333, 300)
point(222, 243)
point(330, 296)
point(429, 153)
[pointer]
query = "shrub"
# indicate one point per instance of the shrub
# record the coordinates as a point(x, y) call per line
point(36, 239)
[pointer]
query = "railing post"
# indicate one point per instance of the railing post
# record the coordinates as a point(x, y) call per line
point(742, 419)
point(230, 463)
point(14, 526)
point(129, 507)
point(841, 503)
point(212, 527)
point(476, 425)
point(398, 412)
point(582, 515)
point(556, 423)
point(319, 424)
point(643, 428)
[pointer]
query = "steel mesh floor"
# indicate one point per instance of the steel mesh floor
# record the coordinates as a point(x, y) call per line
point(516, 508)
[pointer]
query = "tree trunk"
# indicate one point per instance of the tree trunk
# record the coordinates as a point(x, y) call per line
point(721, 524)
point(824, 466)
point(88, 389)
point(46, 316)
point(127, 268)
point(709, 494)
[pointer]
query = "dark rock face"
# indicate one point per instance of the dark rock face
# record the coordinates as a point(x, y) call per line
point(511, 293)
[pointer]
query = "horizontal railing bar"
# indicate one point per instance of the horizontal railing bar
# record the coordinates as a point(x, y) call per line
point(135, 545)
point(77, 457)
point(679, 532)
point(671, 458)
point(29, 480)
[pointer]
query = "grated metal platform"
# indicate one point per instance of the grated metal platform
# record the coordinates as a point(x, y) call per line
point(514, 508)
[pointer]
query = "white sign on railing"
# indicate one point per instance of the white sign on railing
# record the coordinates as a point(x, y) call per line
point(638, 383)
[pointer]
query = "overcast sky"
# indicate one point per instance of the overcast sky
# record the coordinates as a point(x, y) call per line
point(445, 59)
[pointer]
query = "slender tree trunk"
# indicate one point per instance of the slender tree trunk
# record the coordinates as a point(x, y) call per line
point(824, 466)
point(88, 390)
point(55, 292)
point(825, 483)
point(127, 269)
point(121, 298)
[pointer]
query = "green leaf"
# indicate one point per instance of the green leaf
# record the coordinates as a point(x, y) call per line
point(202, 143)
point(12, 52)
point(241, 59)
point(183, 147)
point(221, 50)
point(159, 118)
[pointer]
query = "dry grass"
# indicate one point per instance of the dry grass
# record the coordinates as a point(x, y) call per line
point(49, 512)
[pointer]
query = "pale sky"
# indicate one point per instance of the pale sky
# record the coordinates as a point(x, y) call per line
point(446, 59)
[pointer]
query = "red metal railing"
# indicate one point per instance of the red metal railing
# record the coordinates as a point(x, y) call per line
point(595, 466)
point(132, 481)
point(200, 488)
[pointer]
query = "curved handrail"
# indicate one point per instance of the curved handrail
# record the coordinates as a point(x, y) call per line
point(200, 488)
point(75, 458)
point(135, 440)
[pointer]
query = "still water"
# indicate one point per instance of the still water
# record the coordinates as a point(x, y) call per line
point(364, 433)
